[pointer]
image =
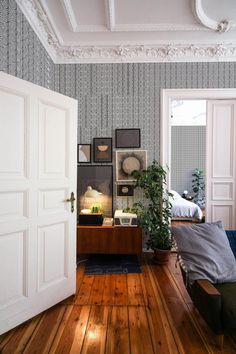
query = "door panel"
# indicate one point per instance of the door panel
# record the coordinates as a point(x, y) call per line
point(12, 135)
point(222, 191)
point(13, 205)
point(52, 151)
point(224, 213)
point(37, 175)
point(12, 270)
point(52, 201)
point(221, 156)
point(222, 139)
point(52, 269)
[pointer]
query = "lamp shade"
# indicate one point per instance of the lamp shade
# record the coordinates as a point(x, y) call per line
point(91, 193)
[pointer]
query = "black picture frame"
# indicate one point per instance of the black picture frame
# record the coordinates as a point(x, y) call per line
point(124, 190)
point(99, 177)
point(84, 153)
point(128, 138)
point(102, 150)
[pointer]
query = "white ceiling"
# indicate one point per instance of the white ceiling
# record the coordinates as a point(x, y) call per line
point(78, 31)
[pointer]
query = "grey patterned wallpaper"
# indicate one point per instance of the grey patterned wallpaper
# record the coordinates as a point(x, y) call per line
point(21, 52)
point(109, 95)
point(188, 151)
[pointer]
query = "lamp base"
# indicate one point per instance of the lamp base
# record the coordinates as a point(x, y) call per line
point(92, 219)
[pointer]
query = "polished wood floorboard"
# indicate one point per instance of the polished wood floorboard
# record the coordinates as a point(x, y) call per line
point(142, 313)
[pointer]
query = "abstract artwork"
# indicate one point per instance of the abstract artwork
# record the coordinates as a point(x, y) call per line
point(102, 150)
point(84, 153)
point(128, 161)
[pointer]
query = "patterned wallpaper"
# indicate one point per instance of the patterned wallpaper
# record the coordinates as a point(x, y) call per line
point(109, 95)
point(188, 151)
point(21, 52)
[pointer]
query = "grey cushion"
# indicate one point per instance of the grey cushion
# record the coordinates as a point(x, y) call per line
point(206, 252)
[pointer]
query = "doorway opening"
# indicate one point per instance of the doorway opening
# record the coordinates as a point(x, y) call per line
point(188, 149)
point(220, 185)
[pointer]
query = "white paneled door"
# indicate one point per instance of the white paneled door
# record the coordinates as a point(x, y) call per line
point(37, 175)
point(221, 162)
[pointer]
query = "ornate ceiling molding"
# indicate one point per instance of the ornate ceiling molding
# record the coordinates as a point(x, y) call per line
point(146, 53)
point(220, 27)
point(39, 21)
point(118, 53)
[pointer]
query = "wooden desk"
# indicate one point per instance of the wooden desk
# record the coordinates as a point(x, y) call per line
point(109, 239)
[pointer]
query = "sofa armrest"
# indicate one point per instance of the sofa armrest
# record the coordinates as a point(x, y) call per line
point(208, 287)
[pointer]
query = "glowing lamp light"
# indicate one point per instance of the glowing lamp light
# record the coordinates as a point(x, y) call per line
point(91, 193)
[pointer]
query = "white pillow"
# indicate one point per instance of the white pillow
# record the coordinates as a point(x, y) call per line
point(206, 252)
point(176, 195)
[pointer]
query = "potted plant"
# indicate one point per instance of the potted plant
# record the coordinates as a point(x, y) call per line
point(198, 186)
point(154, 211)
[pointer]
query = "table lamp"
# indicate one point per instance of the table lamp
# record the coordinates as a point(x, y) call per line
point(94, 206)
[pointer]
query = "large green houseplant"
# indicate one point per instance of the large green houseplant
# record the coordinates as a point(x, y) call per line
point(154, 211)
point(198, 186)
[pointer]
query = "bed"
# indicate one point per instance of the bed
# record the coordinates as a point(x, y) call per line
point(183, 209)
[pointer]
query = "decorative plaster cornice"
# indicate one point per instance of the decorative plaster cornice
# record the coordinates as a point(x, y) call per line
point(225, 26)
point(39, 21)
point(220, 27)
point(146, 53)
point(174, 52)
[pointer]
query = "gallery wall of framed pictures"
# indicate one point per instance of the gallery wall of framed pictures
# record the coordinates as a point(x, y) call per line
point(128, 157)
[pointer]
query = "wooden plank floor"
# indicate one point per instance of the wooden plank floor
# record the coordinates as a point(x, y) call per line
point(142, 313)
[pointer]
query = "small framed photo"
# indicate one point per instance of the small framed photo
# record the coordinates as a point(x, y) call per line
point(128, 161)
point(128, 138)
point(102, 150)
point(123, 190)
point(84, 153)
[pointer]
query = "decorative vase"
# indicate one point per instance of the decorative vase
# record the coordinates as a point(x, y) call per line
point(161, 256)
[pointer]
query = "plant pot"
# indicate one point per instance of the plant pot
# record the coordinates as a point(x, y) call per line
point(161, 256)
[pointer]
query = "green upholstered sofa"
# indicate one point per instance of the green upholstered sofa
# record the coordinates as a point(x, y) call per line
point(215, 302)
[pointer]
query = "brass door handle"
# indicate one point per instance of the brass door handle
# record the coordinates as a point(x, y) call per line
point(72, 201)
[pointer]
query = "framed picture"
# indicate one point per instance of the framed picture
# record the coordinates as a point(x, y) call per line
point(123, 190)
point(100, 178)
point(128, 138)
point(84, 153)
point(102, 150)
point(128, 161)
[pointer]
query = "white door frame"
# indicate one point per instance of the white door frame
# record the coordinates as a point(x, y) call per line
point(182, 94)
